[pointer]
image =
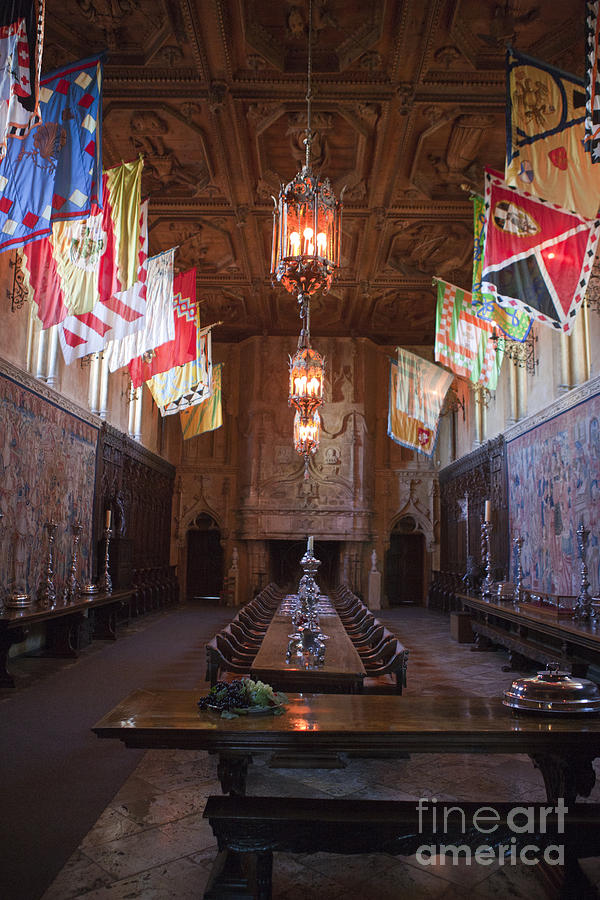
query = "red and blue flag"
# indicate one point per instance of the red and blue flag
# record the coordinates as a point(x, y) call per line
point(55, 172)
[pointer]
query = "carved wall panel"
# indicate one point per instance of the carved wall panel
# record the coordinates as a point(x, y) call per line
point(464, 487)
point(137, 486)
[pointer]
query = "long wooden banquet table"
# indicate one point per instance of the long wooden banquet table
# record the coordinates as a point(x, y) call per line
point(562, 748)
point(341, 670)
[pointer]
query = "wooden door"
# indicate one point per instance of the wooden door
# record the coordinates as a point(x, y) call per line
point(204, 565)
point(404, 568)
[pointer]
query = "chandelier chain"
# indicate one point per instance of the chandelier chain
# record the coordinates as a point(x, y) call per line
point(308, 138)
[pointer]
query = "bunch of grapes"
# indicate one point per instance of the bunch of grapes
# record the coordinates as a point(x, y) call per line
point(226, 695)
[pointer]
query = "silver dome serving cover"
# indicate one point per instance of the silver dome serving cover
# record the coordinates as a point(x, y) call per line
point(553, 691)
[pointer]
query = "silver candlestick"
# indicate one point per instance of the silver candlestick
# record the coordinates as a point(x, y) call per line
point(106, 581)
point(72, 586)
point(518, 545)
point(486, 531)
point(46, 594)
point(583, 610)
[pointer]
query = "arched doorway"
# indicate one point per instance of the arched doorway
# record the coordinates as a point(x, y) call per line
point(204, 560)
point(405, 563)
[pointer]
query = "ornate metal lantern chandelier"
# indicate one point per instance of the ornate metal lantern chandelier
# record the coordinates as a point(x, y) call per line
point(307, 221)
point(307, 432)
point(305, 256)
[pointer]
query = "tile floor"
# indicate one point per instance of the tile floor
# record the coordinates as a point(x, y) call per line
point(152, 842)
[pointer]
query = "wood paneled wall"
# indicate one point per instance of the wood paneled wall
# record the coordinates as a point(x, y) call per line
point(464, 487)
point(137, 486)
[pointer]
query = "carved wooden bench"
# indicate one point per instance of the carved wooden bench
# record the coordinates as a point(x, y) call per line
point(258, 826)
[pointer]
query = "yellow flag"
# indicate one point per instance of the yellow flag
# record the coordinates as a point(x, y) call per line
point(205, 416)
point(545, 124)
point(98, 256)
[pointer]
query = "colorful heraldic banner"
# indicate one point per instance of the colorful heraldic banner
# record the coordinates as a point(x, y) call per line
point(462, 338)
point(208, 415)
point(545, 132)
point(54, 173)
point(592, 86)
point(87, 261)
point(185, 386)
point(538, 257)
point(14, 75)
point(19, 64)
point(182, 348)
point(514, 323)
point(111, 319)
point(159, 325)
point(421, 388)
point(402, 428)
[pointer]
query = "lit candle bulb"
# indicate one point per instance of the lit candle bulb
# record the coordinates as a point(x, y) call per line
point(294, 244)
point(313, 387)
point(300, 384)
point(308, 233)
point(321, 243)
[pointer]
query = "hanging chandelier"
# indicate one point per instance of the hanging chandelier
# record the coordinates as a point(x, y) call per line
point(307, 432)
point(307, 221)
point(305, 256)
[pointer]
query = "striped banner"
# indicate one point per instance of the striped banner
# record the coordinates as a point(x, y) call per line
point(110, 319)
point(462, 340)
point(159, 325)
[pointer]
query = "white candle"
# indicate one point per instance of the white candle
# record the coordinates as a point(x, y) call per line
point(107, 518)
point(488, 511)
point(310, 544)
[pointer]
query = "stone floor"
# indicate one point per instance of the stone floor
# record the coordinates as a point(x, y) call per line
point(152, 842)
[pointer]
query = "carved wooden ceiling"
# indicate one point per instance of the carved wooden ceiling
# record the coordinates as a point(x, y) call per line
point(408, 107)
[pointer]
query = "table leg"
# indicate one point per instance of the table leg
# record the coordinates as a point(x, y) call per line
point(7, 639)
point(105, 623)
point(566, 775)
point(232, 771)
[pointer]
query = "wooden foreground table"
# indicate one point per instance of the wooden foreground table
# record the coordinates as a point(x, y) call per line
point(562, 748)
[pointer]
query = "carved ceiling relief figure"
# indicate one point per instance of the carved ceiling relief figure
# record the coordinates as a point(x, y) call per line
point(296, 130)
point(162, 167)
point(461, 152)
point(427, 248)
point(108, 15)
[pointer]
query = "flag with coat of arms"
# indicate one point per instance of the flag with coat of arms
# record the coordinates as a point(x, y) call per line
point(545, 135)
point(54, 173)
point(89, 260)
point(538, 257)
point(112, 318)
point(417, 392)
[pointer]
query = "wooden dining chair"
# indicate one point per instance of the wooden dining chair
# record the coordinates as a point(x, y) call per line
point(390, 676)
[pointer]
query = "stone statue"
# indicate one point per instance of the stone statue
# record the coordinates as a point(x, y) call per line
point(374, 561)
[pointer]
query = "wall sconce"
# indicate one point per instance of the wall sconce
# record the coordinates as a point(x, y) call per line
point(521, 353)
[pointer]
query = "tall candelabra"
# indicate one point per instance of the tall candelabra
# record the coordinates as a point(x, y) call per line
point(518, 545)
point(46, 594)
point(72, 586)
point(583, 610)
point(105, 584)
point(486, 553)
